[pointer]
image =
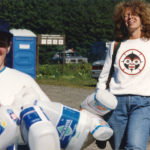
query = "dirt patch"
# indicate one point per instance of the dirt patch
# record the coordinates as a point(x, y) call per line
point(68, 96)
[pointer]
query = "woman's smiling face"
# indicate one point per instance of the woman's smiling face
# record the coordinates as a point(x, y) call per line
point(132, 21)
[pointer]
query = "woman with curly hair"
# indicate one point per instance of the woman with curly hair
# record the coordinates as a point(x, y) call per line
point(130, 79)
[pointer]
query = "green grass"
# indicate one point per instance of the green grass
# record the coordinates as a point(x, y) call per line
point(73, 75)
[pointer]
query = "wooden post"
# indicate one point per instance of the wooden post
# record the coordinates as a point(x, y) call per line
point(64, 60)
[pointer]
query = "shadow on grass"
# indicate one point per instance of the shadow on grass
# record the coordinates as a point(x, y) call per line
point(90, 85)
point(70, 83)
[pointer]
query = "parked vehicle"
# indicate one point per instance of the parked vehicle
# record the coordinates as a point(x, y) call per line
point(70, 57)
point(97, 67)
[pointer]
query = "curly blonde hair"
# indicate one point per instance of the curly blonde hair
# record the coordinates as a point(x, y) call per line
point(139, 7)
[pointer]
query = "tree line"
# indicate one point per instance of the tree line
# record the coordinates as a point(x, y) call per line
point(84, 22)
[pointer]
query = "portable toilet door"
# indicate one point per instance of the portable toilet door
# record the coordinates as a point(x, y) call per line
point(24, 51)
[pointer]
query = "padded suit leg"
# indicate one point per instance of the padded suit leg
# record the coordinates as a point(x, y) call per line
point(38, 132)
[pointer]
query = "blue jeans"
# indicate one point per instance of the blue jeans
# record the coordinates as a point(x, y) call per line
point(130, 122)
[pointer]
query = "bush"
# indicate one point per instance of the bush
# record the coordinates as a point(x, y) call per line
point(70, 74)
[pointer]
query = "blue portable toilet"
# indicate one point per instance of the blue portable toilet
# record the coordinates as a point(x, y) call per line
point(23, 52)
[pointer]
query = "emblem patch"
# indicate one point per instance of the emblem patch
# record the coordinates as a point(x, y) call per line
point(132, 62)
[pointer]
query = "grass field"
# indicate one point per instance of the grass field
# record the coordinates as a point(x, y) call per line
point(74, 75)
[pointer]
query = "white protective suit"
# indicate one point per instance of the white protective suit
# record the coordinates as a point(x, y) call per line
point(49, 125)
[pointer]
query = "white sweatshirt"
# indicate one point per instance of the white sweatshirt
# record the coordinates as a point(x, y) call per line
point(12, 81)
point(131, 69)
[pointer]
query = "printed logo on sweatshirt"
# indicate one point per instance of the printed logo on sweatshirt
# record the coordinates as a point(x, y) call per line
point(132, 62)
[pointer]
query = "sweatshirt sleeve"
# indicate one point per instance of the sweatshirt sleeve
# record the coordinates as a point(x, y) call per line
point(30, 82)
point(102, 80)
point(42, 94)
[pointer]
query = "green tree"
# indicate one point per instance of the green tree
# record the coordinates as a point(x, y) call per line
point(84, 22)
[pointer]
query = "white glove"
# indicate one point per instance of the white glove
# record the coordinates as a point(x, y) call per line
point(99, 128)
